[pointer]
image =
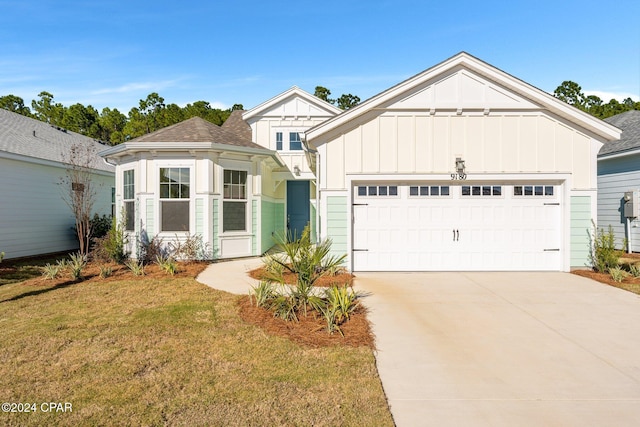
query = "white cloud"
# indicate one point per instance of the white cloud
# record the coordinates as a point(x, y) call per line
point(608, 96)
point(137, 87)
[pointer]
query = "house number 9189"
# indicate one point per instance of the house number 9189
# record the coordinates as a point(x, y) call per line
point(458, 176)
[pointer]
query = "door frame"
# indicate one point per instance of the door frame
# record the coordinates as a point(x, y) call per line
point(301, 208)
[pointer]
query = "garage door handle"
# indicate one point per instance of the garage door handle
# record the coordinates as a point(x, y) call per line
point(456, 235)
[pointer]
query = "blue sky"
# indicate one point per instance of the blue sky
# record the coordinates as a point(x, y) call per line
point(114, 53)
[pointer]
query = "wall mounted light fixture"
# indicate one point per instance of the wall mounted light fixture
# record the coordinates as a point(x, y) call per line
point(296, 170)
point(460, 166)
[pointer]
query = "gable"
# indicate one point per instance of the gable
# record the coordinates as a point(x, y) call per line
point(295, 106)
point(461, 89)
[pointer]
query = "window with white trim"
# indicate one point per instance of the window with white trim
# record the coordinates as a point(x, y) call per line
point(234, 204)
point(128, 196)
point(279, 141)
point(295, 143)
point(428, 190)
point(533, 190)
point(174, 199)
point(482, 190)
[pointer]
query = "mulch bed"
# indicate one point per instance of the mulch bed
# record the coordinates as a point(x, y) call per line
point(311, 330)
point(629, 283)
point(340, 279)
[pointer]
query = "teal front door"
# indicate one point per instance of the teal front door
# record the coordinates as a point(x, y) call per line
point(298, 207)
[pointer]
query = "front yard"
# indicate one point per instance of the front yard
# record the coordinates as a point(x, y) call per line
point(158, 350)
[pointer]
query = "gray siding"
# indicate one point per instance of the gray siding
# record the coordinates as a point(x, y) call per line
point(34, 219)
point(616, 176)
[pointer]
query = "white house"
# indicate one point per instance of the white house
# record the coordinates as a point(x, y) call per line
point(461, 167)
point(34, 218)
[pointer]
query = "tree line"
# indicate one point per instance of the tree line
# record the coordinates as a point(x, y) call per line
point(152, 113)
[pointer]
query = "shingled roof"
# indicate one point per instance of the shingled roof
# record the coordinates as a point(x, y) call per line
point(629, 122)
point(31, 138)
point(236, 125)
point(196, 129)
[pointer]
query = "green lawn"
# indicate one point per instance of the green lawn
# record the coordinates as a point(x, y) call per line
point(170, 352)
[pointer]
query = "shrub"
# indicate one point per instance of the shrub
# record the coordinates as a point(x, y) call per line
point(105, 271)
point(152, 249)
point(634, 270)
point(111, 247)
point(1, 256)
point(167, 264)
point(191, 249)
point(51, 271)
point(617, 274)
point(76, 263)
point(604, 255)
point(263, 294)
point(100, 225)
point(136, 267)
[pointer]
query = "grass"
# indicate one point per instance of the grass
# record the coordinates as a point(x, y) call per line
point(156, 351)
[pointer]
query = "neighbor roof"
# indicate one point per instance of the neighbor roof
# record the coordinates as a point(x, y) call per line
point(197, 129)
point(484, 69)
point(629, 122)
point(32, 139)
point(236, 125)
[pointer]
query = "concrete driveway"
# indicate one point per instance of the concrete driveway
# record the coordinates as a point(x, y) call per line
point(505, 349)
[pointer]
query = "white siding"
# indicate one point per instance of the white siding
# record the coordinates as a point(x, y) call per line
point(34, 218)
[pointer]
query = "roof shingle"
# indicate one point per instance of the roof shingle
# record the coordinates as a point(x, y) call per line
point(235, 124)
point(629, 122)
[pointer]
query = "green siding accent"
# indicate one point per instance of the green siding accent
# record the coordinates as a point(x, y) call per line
point(215, 246)
point(254, 227)
point(312, 223)
point(580, 224)
point(199, 216)
point(272, 222)
point(337, 217)
point(150, 222)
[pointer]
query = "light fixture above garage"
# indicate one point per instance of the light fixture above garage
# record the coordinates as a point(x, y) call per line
point(460, 166)
point(296, 170)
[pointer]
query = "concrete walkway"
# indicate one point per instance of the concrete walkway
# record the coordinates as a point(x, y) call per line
point(505, 349)
point(231, 276)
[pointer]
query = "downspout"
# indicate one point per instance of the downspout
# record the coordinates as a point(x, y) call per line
point(318, 198)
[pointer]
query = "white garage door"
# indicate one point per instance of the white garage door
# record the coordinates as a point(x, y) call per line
point(431, 227)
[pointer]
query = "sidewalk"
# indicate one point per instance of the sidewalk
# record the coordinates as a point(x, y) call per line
point(231, 276)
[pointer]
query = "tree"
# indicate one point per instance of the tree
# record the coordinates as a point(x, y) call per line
point(237, 107)
point(81, 119)
point(571, 93)
point(323, 93)
point(78, 190)
point(15, 104)
point(347, 101)
point(46, 110)
point(112, 123)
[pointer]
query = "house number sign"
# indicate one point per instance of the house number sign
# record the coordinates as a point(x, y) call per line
point(458, 176)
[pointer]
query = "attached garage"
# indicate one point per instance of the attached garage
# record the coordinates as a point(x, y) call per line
point(461, 167)
point(433, 226)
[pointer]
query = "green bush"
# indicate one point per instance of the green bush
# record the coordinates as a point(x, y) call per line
point(76, 263)
point(604, 255)
point(100, 225)
point(617, 274)
point(167, 264)
point(1, 256)
point(111, 247)
point(52, 271)
point(136, 267)
point(634, 270)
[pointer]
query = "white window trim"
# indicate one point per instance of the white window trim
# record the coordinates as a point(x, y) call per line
point(237, 166)
point(286, 149)
point(158, 205)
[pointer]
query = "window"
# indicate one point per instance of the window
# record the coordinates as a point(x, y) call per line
point(533, 190)
point(174, 188)
point(428, 190)
point(278, 140)
point(378, 190)
point(113, 202)
point(128, 196)
point(234, 205)
point(482, 190)
point(295, 143)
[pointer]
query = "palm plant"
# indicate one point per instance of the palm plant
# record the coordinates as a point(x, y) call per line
point(307, 261)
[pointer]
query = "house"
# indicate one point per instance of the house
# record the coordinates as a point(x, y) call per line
point(34, 156)
point(196, 178)
point(618, 173)
point(461, 167)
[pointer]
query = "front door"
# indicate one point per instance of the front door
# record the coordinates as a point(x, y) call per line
point(298, 207)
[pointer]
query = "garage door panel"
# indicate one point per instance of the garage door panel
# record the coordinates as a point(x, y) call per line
point(458, 232)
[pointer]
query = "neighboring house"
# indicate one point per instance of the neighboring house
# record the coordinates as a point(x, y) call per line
point(34, 218)
point(394, 195)
point(196, 178)
point(619, 172)
point(461, 167)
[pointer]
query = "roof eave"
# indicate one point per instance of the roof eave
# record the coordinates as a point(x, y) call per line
point(291, 91)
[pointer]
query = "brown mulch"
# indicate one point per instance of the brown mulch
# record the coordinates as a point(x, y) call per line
point(310, 330)
point(91, 273)
point(339, 279)
point(629, 283)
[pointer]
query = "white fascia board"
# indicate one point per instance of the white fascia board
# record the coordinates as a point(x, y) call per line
point(466, 61)
point(619, 154)
point(294, 90)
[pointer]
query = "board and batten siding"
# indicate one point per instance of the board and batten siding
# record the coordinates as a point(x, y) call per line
point(581, 226)
point(407, 143)
point(273, 223)
point(34, 218)
point(615, 177)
